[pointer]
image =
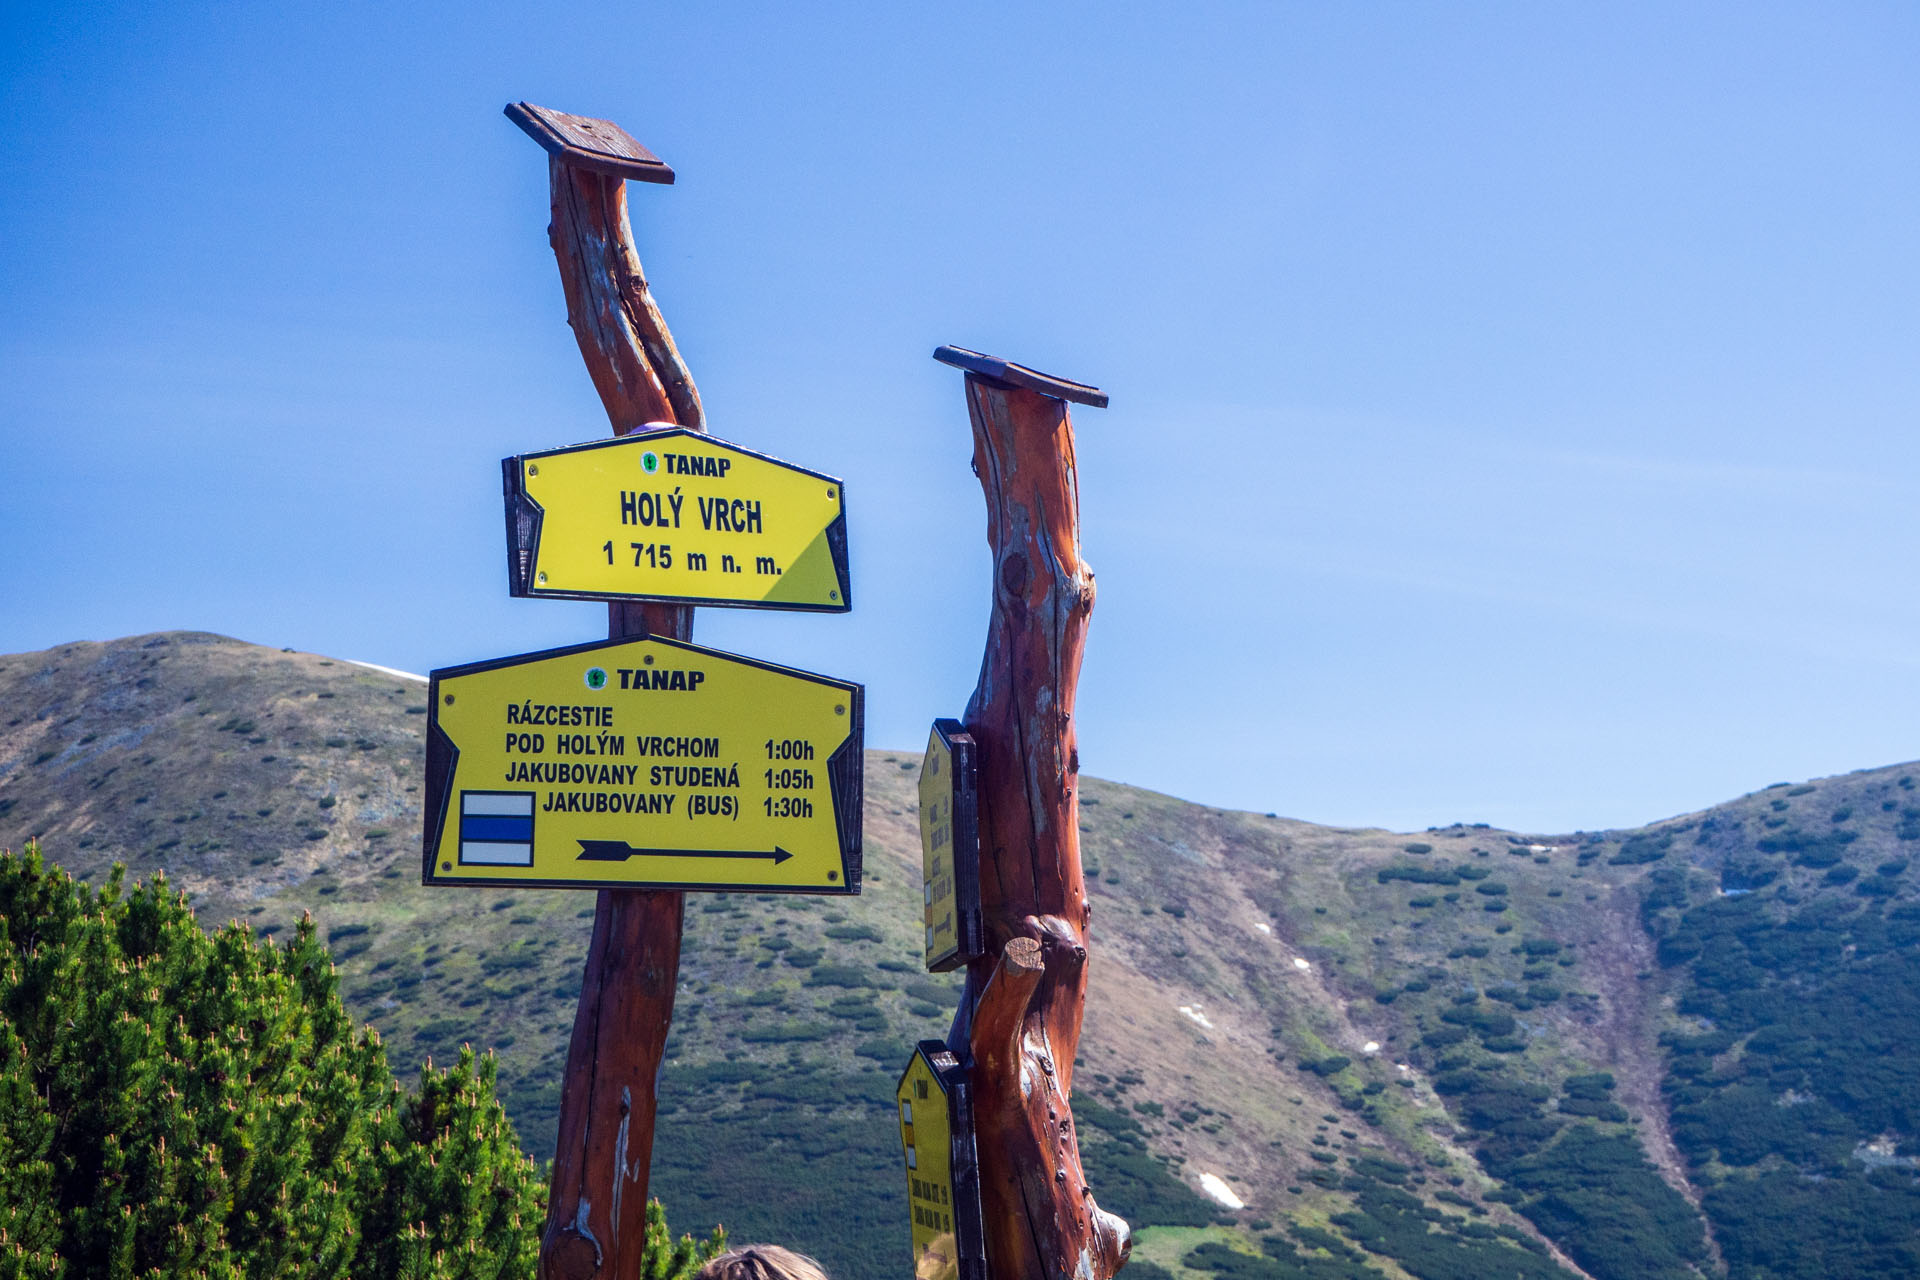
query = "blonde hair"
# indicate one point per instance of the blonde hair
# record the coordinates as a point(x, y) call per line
point(761, 1262)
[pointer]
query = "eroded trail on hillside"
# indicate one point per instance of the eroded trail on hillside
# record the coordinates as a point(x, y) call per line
point(1633, 1006)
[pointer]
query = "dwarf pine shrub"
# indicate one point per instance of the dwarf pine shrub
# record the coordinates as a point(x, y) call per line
point(179, 1104)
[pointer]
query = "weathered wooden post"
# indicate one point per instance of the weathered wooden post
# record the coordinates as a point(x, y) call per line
point(1019, 1021)
point(597, 1207)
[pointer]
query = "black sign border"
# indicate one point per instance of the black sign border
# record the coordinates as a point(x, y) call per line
point(844, 770)
point(525, 518)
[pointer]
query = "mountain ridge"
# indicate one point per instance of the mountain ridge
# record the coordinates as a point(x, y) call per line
point(1391, 1044)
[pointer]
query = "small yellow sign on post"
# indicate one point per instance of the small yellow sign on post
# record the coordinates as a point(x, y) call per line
point(675, 515)
point(646, 763)
point(943, 1180)
point(950, 846)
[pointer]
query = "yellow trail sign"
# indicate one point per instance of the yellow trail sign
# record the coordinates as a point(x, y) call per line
point(646, 763)
point(943, 1178)
point(950, 846)
point(675, 515)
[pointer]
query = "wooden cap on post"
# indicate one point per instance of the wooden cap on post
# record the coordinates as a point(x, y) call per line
point(1020, 376)
point(631, 356)
point(584, 142)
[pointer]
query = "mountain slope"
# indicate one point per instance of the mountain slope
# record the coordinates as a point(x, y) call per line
point(1462, 1052)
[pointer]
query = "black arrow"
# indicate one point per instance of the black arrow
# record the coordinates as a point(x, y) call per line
point(620, 851)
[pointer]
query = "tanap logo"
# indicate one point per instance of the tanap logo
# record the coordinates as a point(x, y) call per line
point(596, 677)
point(649, 462)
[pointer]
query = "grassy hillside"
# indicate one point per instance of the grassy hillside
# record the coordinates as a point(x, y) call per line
point(1462, 1052)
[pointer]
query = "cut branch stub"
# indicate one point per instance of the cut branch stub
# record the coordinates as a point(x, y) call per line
point(1021, 1017)
point(597, 1204)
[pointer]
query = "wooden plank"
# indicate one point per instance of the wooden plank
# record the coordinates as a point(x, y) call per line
point(585, 142)
point(1019, 375)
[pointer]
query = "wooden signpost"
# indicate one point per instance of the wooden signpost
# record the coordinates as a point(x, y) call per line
point(642, 765)
point(1018, 1027)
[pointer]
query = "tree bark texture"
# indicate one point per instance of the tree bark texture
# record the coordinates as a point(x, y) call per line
point(1020, 1019)
point(597, 1204)
point(631, 356)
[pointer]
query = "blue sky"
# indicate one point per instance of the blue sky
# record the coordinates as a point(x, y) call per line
point(1513, 405)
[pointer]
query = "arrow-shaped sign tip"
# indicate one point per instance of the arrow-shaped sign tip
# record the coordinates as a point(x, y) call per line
point(780, 855)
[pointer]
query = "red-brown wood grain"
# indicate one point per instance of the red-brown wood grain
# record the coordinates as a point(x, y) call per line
point(597, 1204)
point(631, 356)
point(1021, 1018)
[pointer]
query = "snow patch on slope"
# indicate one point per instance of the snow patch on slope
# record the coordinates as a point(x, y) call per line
point(1197, 1018)
point(387, 671)
point(1216, 1189)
